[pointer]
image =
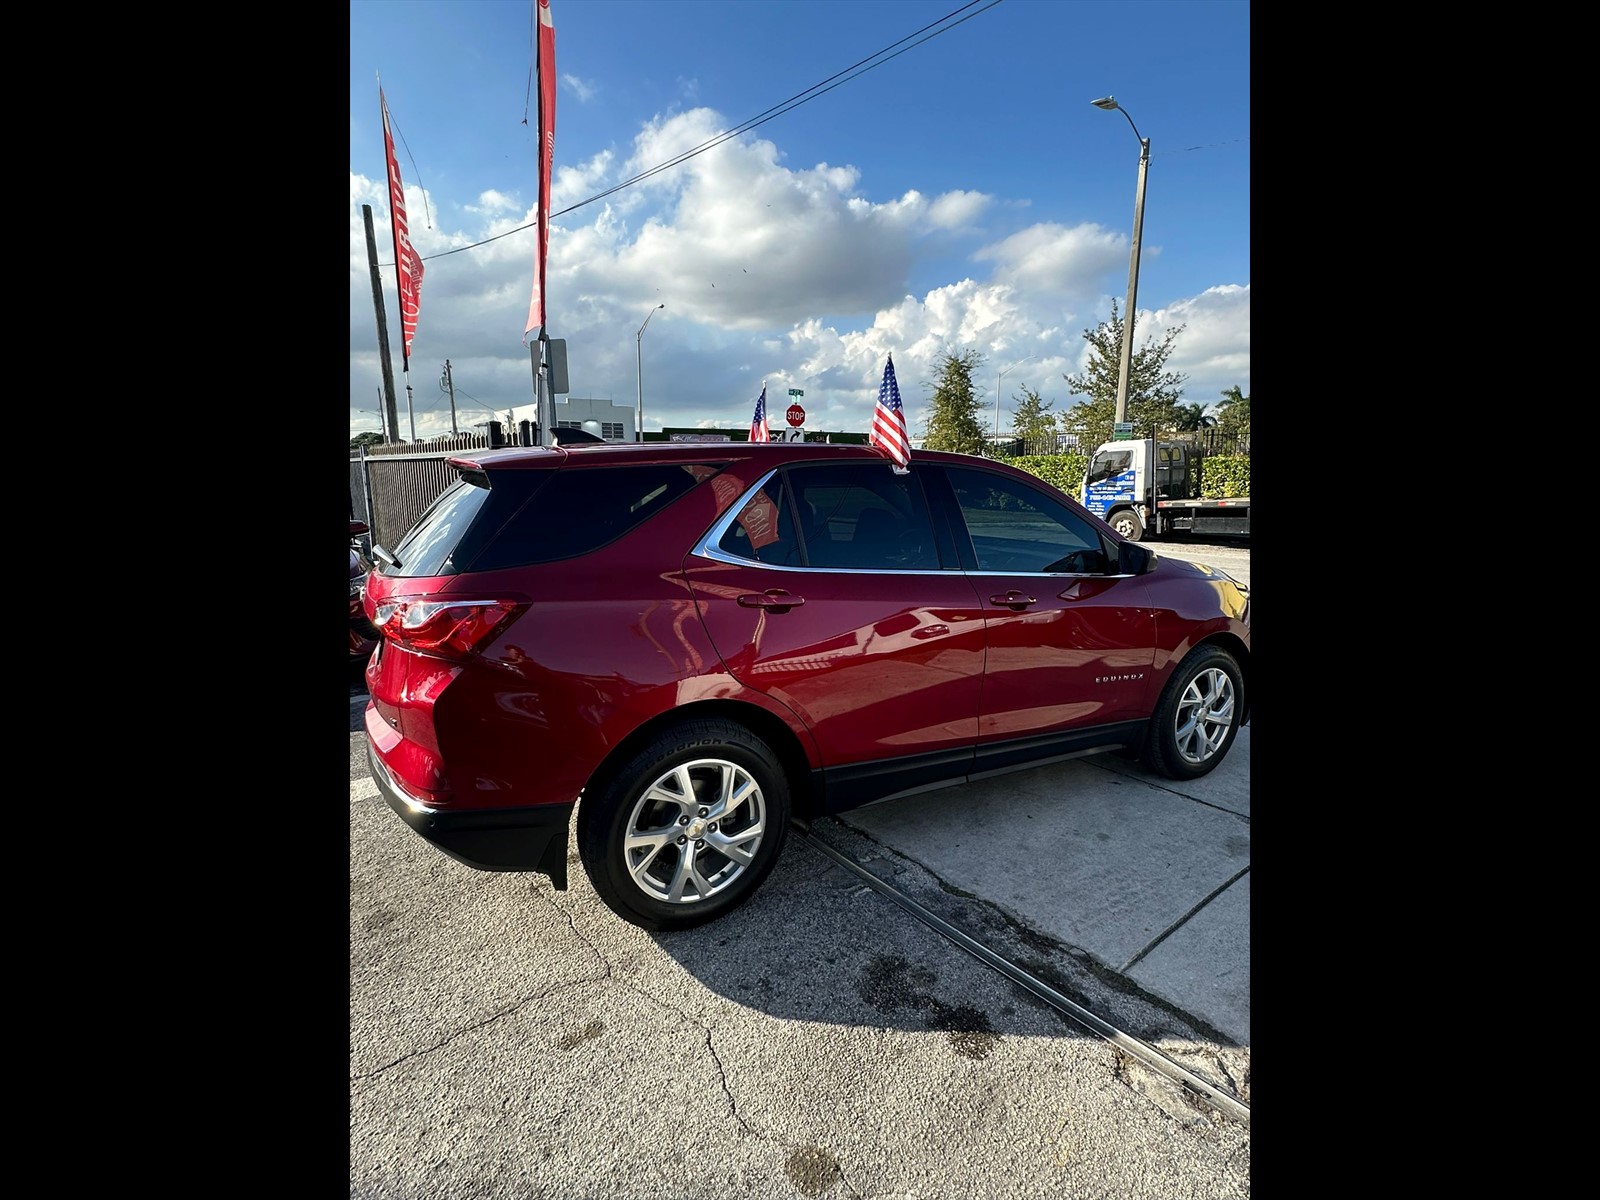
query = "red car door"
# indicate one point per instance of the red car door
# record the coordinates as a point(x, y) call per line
point(1070, 642)
point(827, 593)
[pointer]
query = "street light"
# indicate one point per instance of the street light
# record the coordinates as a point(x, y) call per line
point(997, 380)
point(638, 362)
point(1109, 103)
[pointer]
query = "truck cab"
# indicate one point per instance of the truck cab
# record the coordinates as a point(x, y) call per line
point(1127, 478)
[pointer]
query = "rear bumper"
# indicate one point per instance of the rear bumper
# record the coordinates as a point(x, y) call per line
point(520, 839)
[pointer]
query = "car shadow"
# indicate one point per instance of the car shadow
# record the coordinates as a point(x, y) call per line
point(815, 943)
point(818, 943)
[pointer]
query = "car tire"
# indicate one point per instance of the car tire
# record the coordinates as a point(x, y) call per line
point(687, 828)
point(1127, 523)
point(1198, 716)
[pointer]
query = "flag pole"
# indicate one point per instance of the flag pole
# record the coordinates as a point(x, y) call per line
point(547, 418)
point(391, 432)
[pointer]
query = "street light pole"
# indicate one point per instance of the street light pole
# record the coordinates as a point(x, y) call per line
point(638, 362)
point(997, 380)
point(1109, 103)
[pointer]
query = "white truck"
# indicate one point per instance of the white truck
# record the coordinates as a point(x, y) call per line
point(1144, 488)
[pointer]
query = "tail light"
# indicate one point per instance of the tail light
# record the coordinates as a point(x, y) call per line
point(452, 628)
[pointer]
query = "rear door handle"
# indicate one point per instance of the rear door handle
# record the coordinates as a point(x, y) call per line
point(1014, 600)
point(775, 600)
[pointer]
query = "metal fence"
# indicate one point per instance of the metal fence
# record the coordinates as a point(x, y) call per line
point(1211, 441)
point(390, 486)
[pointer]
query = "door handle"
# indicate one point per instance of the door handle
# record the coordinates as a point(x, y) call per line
point(777, 600)
point(1013, 600)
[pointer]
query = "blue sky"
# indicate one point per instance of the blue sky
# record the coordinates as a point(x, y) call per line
point(963, 195)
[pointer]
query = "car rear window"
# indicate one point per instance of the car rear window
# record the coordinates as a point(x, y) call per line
point(489, 521)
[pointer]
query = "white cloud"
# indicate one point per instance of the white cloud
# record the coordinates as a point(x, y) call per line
point(1053, 259)
point(583, 91)
point(957, 210)
point(1214, 347)
point(769, 272)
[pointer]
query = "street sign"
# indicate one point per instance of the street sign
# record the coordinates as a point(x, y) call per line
point(796, 415)
point(1122, 429)
point(792, 435)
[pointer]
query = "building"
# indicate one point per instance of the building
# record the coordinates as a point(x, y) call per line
point(614, 422)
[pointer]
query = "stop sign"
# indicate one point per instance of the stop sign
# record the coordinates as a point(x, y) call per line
point(796, 415)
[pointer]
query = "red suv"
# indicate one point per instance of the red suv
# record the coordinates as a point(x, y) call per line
point(694, 644)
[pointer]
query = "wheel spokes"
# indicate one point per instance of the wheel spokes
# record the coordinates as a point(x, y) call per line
point(734, 787)
point(690, 812)
point(642, 846)
point(741, 847)
point(674, 788)
point(687, 872)
point(1205, 715)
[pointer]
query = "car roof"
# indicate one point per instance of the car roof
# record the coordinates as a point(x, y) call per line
point(639, 453)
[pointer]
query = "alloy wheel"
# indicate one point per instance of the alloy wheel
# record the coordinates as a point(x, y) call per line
point(694, 831)
point(1205, 715)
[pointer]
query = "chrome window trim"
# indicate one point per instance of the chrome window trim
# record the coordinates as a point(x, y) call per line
point(708, 547)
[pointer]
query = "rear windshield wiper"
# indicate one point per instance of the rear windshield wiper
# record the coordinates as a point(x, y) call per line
point(382, 555)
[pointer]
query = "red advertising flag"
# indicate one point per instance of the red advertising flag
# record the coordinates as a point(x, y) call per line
point(407, 262)
point(546, 65)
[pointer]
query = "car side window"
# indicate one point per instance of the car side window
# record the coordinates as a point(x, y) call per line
point(1017, 528)
point(764, 528)
point(862, 516)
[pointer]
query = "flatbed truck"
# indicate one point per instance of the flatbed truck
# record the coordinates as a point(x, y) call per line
point(1144, 488)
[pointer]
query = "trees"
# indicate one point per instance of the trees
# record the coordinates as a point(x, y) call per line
point(954, 424)
point(1153, 391)
point(1234, 413)
point(1193, 416)
point(366, 439)
point(1032, 419)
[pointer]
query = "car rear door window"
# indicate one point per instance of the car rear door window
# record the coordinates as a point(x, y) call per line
point(763, 530)
point(864, 517)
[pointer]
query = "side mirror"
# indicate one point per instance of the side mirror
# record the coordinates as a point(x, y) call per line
point(1134, 559)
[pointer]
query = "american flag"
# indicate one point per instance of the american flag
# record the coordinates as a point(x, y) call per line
point(889, 421)
point(758, 423)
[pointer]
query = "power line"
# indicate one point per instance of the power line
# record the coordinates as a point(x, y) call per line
point(777, 110)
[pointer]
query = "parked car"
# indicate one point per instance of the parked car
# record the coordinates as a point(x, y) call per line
point(364, 637)
point(692, 645)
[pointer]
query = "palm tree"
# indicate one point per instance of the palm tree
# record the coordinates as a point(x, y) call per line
point(1191, 417)
point(1235, 405)
point(1234, 411)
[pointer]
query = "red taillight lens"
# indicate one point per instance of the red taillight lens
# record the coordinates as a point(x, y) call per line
point(453, 628)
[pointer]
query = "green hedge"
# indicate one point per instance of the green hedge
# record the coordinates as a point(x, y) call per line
point(1222, 476)
point(1065, 471)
